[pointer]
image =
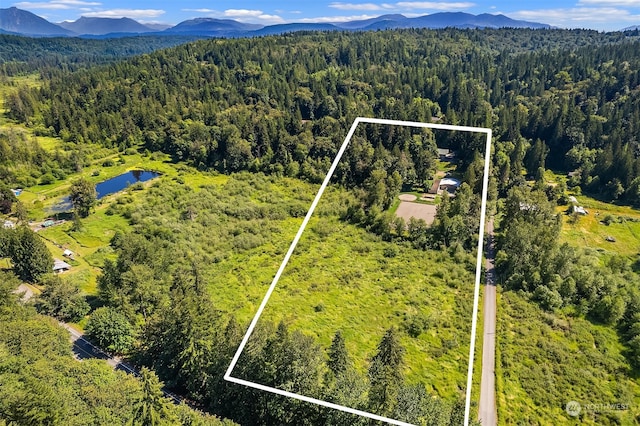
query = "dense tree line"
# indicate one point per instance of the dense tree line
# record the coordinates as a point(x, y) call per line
point(43, 385)
point(246, 104)
point(21, 55)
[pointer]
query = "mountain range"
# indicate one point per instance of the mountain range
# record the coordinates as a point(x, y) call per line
point(22, 22)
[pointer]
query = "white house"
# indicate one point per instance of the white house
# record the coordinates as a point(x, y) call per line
point(449, 184)
point(9, 224)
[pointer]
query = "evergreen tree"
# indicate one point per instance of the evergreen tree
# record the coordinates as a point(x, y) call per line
point(30, 256)
point(7, 199)
point(61, 299)
point(151, 408)
point(110, 329)
point(83, 196)
point(338, 358)
point(385, 374)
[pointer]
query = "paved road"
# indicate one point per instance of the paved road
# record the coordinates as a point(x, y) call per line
point(487, 413)
point(25, 292)
point(83, 349)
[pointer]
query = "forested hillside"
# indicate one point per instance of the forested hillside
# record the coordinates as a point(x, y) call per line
point(285, 102)
point(251, 125)
point(19, 55)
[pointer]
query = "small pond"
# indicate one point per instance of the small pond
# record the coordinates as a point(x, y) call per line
point(108, 187)
point(120, 182)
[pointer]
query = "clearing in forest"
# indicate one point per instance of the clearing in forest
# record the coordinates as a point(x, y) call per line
point(432, 297)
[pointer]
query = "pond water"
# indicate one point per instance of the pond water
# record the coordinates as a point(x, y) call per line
point(120, 182)
point(108, 187)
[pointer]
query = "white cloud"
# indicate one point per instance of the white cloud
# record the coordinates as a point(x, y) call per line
point(579, 17)
point(356, 6)
point(245, 15)
point(434, 5)
point(129, 13)
point(252, 16)
point(331, 19)
point(201, 10)
point(627, 3)
point(55, 4)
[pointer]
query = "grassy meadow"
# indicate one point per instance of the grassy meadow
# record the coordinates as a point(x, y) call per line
point(548, 359)
point(340, 277)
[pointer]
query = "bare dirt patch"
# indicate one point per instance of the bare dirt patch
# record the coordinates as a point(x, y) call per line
point(407, 197)
point(407, 210)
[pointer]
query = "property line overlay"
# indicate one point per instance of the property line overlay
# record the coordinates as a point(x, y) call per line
point(325, 183)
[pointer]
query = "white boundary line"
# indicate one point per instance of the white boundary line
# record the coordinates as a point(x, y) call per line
point(325, 183)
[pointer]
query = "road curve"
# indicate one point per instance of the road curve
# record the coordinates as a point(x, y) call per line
point(487, 412)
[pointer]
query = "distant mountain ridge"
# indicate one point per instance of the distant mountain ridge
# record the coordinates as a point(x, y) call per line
point(212, 25)
point(97, 26)
point(17, 21)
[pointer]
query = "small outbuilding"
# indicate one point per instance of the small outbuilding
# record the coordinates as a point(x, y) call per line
point(573, 199)
point(60, 266)
point(9, 224)
point(68, 253)
point(580, 210)
point(445, 154)
point(449, 184)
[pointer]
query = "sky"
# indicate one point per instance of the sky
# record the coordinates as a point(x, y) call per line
point(602, 15)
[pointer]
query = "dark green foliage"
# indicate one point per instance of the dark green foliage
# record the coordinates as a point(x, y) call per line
point(137, 284)
point(19, 55)
point(8, 284)
point(385, 374)
point(30, 256)
point(457, 219)
point(110, 329)
point(23, 161)
point(83, 197)
point(62, 300)
point(151, 408)
point(42, 384)
point(529, 240)
point(416, 406)
point(7, 199)
point(338, 361)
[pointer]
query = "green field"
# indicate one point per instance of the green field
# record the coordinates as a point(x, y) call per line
point(340, 277)
point(592, 231)
point(546, 360)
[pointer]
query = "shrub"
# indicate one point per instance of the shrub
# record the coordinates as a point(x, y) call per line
point(110, 329)
point(47, 179)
